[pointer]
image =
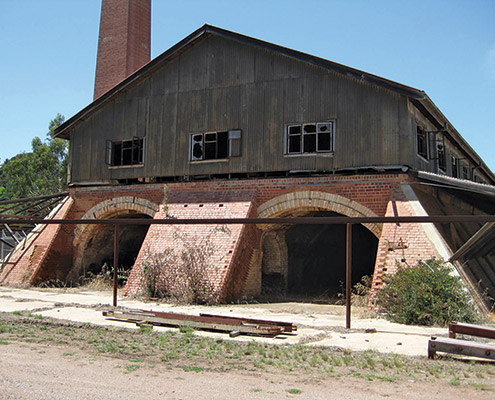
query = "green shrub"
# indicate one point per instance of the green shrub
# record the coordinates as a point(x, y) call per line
point(426, 294)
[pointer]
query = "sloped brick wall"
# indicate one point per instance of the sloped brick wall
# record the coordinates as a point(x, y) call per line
point(44, 245)
point(235, 264)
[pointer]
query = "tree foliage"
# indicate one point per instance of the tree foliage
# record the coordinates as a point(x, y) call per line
point(426, 294)
point(42, 171)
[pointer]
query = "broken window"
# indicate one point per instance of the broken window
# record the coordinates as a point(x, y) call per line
point(314, 137)
point(442, 159)
point(215, 145)
point(125, 152)
point(422, 141)
point(464, 171)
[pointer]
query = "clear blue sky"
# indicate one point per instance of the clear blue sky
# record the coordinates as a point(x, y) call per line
point(445, 47)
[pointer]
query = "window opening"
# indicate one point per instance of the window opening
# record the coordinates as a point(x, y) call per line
point(125, 152)
point(422, 140)
point(310, 138)
point(215, 145)
point(455, 167)
point(442, 160)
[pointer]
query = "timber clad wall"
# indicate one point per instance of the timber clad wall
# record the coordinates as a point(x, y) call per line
point(219, 84)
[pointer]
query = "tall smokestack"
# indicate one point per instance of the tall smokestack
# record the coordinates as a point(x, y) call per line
point(124, 42)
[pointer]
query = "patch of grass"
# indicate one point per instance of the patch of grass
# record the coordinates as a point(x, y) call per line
point(3, 342)
point(255, 390)
point(145, 328)
point(455, 381)
point(17, 313)
point(482, 386)
point(190, 368)
point(294, 391)
point(131, 368)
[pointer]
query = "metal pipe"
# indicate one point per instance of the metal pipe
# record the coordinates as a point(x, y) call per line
point(115, 262)
point(348, 266)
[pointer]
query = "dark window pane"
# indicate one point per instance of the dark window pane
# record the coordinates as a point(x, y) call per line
point(210, 150)
point(210, 137)
point(295, 144)
point(222, 144)
point(117, 153)
point(127, 156)
point(309, 128)
point(422, 142)
point(294, 130)
point(324, 142)
point(309, 143)
point(198, 138)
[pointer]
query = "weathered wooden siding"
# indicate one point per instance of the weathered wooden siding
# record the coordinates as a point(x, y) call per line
point(220, 84)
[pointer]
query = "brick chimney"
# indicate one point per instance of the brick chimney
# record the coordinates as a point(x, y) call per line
point(124, 42)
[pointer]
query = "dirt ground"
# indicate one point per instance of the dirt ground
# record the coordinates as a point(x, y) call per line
point(41, 372)
point(34, 365)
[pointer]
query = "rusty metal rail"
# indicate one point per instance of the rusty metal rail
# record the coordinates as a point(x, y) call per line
point(471, 330)
point(235, 326)
point(460, 347)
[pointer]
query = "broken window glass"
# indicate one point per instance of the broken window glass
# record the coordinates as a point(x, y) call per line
point(310, 138)
point(210, 146)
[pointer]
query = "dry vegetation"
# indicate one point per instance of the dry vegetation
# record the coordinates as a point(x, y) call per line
point(184, 350)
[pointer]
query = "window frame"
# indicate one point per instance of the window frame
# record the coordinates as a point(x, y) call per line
point(302, 130)
point(231, 145)
point(441, 157)
point(134, 147)
point(422, 132)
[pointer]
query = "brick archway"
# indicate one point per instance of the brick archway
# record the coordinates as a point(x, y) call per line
point(314, 201)
point(116, 206)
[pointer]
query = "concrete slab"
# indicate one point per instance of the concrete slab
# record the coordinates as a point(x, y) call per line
point(318, 325)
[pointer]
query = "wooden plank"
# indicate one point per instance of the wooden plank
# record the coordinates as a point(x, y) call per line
point(461, 347)
point(192, 321)
point(472, 330)
point(288, 326)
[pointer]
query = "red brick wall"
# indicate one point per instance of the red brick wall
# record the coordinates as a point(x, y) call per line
point(45, 245)
point(123, 43)
point(235, 265)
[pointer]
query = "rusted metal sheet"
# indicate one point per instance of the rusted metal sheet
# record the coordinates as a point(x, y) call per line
point(234, 325)
point(472, 330)
point(461, 347)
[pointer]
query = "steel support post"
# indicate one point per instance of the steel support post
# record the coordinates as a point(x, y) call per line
point(348, 264)
point(115, 261)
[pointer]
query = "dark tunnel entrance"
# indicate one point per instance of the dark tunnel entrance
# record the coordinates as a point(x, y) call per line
point(98, 254)
point(308, 261)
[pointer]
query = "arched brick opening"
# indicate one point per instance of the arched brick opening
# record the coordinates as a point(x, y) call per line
point(93, 244)
point(308, 261)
